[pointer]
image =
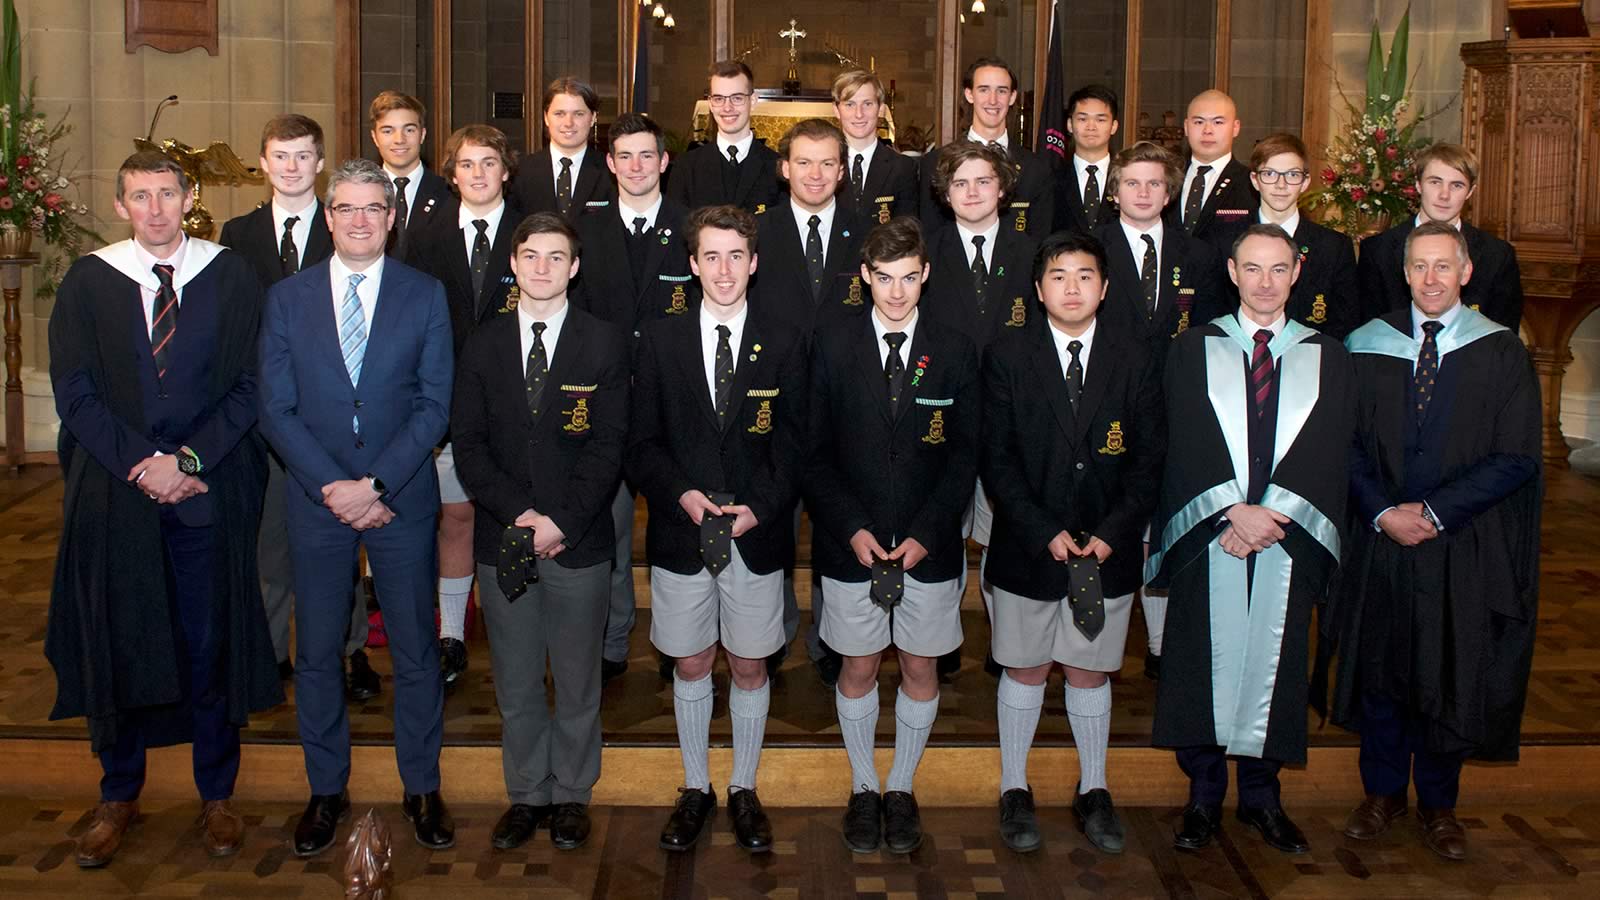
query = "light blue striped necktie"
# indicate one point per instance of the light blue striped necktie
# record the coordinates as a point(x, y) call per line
point(353, 335)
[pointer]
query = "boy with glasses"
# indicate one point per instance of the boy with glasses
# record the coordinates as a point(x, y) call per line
point(735, 167)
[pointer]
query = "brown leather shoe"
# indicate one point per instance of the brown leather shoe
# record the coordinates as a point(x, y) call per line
point(100, 842)
point(1443, 834)
point(224, 829)
point(1374, 816)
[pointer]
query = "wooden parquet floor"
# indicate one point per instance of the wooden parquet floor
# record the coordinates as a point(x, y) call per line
point(1563, 707)
point(1526, 852)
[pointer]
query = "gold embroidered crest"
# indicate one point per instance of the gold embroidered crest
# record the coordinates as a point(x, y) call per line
point(1114, 446)
point(680, 301)
point(1019, 313)
point(1183, 322)
point(1319, 310)
point(935, 433)
point(577, 417)
point(854, 297)
point(763, 423)
point(883, 213)
point(512, 296)
point(1022, 220)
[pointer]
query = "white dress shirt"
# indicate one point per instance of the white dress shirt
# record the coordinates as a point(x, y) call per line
point(866, 160)
point(910, 330)
point(1004, 140)
point(147, 293)
point(1101, 168)
point(415, 182)
point(1062, 339)
point(1251, 327)
point(1446, 318)
point(1217, 165)
point(300, 232)
point(555, 164)
point(628, 213)
point(469, 232)
point(990, 235)
point(1137, 247)
point(709, 339)
point(339, 276)
point(1288, 225)
point(743, 144)
point(551, 336)
point(802, 220)
point(1417, 222)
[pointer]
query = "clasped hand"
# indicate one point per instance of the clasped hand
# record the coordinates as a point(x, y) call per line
point(159, 478)
point(1252, 529)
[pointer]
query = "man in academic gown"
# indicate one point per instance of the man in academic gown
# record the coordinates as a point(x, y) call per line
point(1447, 176)
point(1325, 295)
point(1435, 624)
point(989, 87)
point(1246, 535)
point(1216, 189)
point(565, 177)
point(734, 167)
point(879, 182)
point(156, 631)
point(279, 238)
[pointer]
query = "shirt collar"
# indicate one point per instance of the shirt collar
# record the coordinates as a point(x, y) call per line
point(148, 260)
point(910, 329)
point(1446, 318)
point(341, 272)
point(1062, 339)
point(552, 324)
point(415, 174)
point(1417, 222)
point(743, 144)
point(556, 155)
point(1003, 140)
point(465, 217)
point(1250, 327)
point(989, 235)
point(1101, 165)
point(628, 214)
point(1156, 232)
point(866, 158)
point(279, 214)
point(1217, 165)
point(709, 322)
point(1289, 226)
point(802, 218)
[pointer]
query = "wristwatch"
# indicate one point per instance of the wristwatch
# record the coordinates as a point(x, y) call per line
point(377, 484)
point(188, 461)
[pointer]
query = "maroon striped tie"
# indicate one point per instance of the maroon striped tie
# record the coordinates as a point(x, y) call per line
point(1261, 370)
point(164, 324)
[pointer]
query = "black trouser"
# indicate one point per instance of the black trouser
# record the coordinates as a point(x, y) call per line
point(1207, 768)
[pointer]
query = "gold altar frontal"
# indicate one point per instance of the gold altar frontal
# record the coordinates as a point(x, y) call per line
point(774, 114)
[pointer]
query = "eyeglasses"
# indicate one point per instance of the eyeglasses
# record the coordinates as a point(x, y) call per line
point(1271, 176)
point(346, 212)
point(734, 100)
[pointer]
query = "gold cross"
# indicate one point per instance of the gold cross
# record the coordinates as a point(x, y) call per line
point(793, 33)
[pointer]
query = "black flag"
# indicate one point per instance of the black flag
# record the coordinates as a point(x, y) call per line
point(1051, 131)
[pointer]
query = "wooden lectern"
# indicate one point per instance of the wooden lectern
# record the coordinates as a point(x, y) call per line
point(1531, 112)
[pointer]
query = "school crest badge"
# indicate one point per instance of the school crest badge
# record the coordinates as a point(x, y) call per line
point(1319, 310)
point(577, 417)
point(1019, 313)
point(854, 297)
point(935, 433)
point(763, 423)
point(1114, 445)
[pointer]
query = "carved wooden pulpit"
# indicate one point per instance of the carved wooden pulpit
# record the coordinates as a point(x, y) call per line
point(1531, 112)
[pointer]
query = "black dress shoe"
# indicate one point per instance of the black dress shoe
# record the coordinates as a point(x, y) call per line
point(863, 822)
point(902, 823)
point(434, 827)
point(517, 825)
point(610, 669)
point(285, 670)
point(1099, 820)
point(689, 817)
point(363, 683)
point(1152, 666)
point(828, 666)
point(452, 660)
point(315, 831)
point(752, 830)
point(948, 664)
point(1019, 825)
point(775, 661)
point(569, 825)
point(1200, 824)
point(1276, 828)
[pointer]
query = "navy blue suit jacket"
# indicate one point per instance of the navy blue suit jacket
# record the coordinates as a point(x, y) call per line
point(403, 399)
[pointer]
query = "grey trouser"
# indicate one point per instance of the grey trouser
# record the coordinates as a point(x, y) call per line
point(619, 623)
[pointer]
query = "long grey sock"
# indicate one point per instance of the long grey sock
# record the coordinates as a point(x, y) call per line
point(858, 721)
point(913, 720)
point(1018, 711)
point(1089, 712)
point(748, 709)
point(691, 706)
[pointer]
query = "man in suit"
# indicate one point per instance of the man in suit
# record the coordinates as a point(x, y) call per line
point(355, 422)
point(540, 420)
point(715, 448)
point(420, 195)
point(1216, 190)
point(1436, 621)
point(1447, 176)
point(1084, 199)
point(1074, 438)
point(647, 230)
point(279, 238)
point(735, 167)
point(470, 254)
point(989, 86)
point(1325, 295)
point(1163, 282)
point(891, 460)
point(564, 177)
point(879, 182)
point(155, 629)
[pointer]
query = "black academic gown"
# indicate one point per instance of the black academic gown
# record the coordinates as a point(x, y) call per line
point(110, 635)
point(1208, 626)
point(1445, 628)
point(1325, 296)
